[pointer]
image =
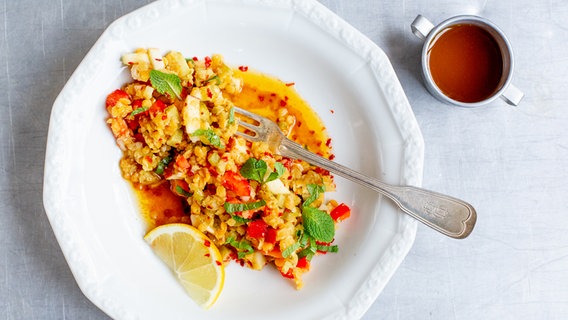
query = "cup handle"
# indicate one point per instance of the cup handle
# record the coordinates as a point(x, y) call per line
point(512, 95)
point(421, 27)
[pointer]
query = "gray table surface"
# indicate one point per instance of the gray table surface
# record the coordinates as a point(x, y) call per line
point(511, 163)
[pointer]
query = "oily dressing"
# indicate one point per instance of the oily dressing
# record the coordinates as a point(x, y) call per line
point(265, 95)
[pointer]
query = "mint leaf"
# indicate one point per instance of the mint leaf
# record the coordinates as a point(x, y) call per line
point(310, 250)
point(210, 135)
point(326, 248)
point(297, 245)
point(277, 174)
point(138, 111)
point(315, 191)
point(241, 245)
point(291, 249)
point(318, 224)
point(238, 207)
point(279, 167)
point(254, 169)
point(166, 83)
point(240, 219)
point(303, 240)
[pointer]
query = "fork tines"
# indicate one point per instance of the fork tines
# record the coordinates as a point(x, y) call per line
point(248, 129)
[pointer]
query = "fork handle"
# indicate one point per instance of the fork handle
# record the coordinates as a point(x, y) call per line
point(448, 215)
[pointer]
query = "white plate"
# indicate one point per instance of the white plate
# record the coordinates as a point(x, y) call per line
point(95, 217)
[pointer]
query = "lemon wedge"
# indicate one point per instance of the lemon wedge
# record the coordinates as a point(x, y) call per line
point(193, 258)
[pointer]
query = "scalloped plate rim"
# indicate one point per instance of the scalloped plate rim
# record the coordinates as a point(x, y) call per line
point(70, 241)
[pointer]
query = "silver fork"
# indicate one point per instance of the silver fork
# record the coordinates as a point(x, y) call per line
point(448, 215)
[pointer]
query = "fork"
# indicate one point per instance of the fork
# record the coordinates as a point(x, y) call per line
point(450, 216)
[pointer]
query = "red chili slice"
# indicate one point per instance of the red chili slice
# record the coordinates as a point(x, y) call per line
point(270, 236)
point(257, 229)
point(236, 183)
point(156, 107)
point(341, 212)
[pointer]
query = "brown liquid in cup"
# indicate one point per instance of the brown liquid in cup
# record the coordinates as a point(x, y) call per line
point(466, 63)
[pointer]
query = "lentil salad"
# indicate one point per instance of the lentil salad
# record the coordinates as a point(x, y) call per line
point(176, 128)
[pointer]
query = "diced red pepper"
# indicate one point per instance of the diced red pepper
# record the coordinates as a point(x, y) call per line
point(156, 107)
point(257, 229)
point(236, 183)
point(341, 212)
point(288, 274)
point(137, 104)
point(113, 97)
point(132, 124)
point(303, 263)
point(270, 236)
point(138, 137)
point(182, 162)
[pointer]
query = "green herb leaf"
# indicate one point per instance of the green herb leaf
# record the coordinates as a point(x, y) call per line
point(138, 111)
point(211, 136)
point(240, 219)
point(278, 173)
point(303, 240)
point(163, 164)
point(291, 249)
point(315, 191)
point(318, 224)
point(238, 207)
point(310, 250)
point(166, 83)
point(232, 115)
point(254, 169)
point(241, 245)
point(182, 192)
point(279, 167)
point(216, 78)
point(326, 248)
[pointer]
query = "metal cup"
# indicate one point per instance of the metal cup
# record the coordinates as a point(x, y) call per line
point(425, 30)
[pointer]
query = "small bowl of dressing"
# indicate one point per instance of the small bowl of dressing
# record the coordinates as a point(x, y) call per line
point(466, 61)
